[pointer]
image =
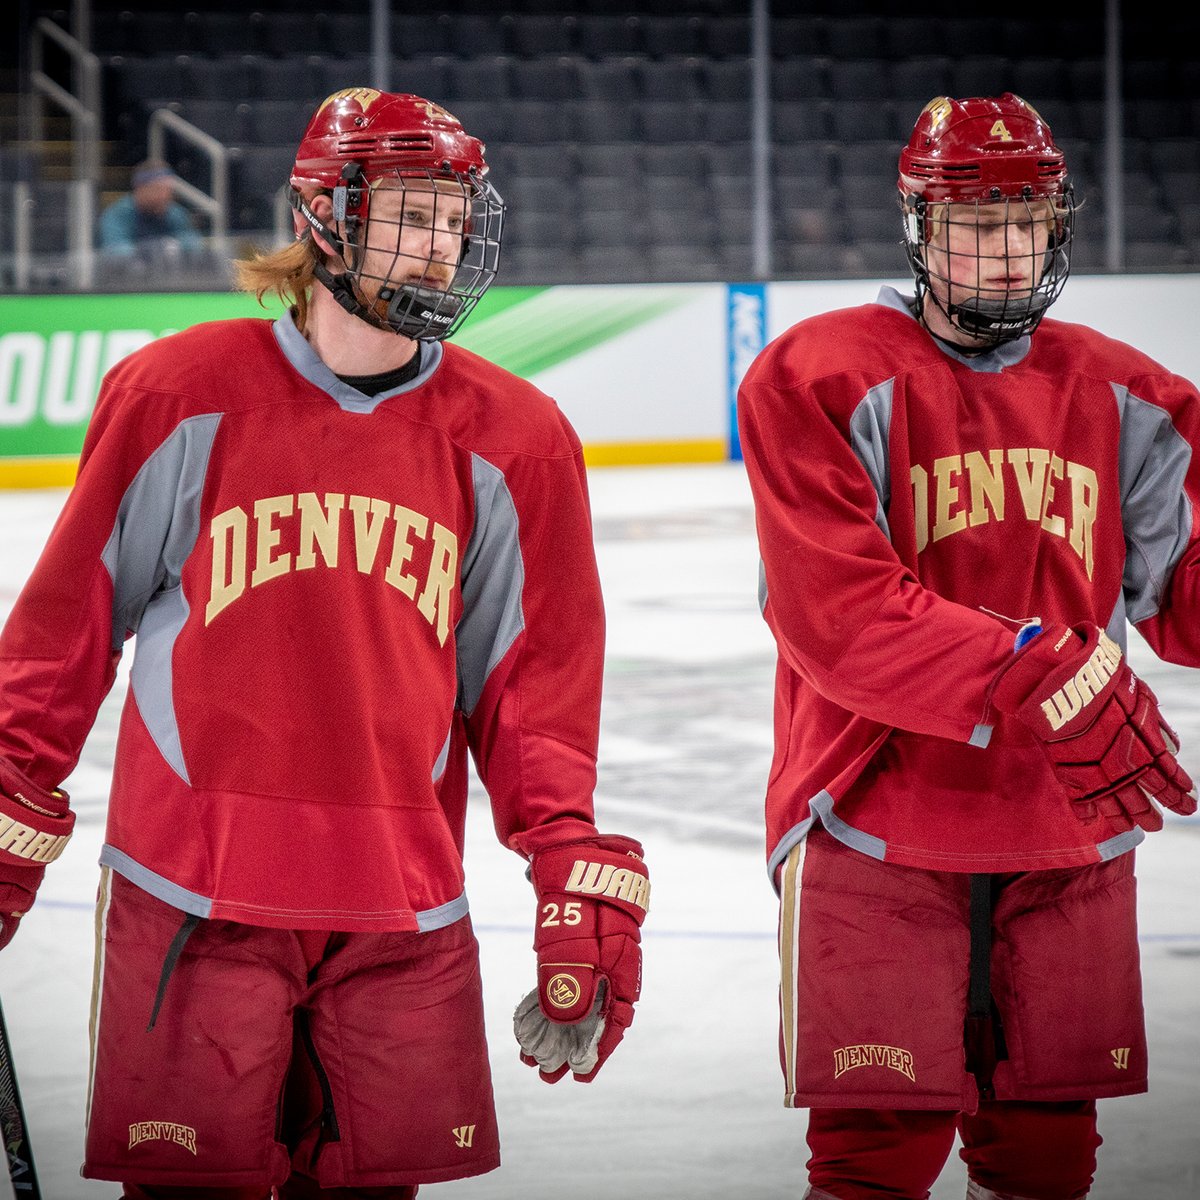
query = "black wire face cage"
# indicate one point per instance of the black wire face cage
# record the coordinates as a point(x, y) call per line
point(998, 245)
point(429, 250)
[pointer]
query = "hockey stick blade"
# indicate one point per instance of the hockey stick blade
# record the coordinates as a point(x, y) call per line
point(12, 1125)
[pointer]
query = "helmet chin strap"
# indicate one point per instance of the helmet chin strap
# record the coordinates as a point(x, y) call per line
point(998, 320)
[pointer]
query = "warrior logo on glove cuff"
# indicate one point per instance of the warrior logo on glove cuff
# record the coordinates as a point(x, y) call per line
point(22, 841)
point(603, 879)
point(563, 990)
point(1089, 681)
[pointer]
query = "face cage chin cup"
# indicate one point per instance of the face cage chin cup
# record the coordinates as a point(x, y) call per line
point(992, 322)
point(413, 311)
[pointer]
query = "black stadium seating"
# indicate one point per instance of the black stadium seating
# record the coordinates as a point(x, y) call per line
point(621, 132)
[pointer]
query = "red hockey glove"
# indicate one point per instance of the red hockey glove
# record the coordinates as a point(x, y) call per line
point(35, 825)
point(592, 896)
point(1099, 725)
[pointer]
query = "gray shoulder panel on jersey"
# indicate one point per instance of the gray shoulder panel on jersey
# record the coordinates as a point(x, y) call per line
point(1155, 510)
point(304, 358)
point(158, 521)
point(870, 430)
point(493, 582)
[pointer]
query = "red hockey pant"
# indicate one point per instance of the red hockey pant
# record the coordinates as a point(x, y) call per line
point(283, 1059)
point(1039, 1151)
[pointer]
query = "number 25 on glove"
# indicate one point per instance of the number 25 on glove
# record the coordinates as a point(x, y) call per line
point(592, 896)
point(1099, 725)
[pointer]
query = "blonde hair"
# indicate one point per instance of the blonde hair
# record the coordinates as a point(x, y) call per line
point(287, 272)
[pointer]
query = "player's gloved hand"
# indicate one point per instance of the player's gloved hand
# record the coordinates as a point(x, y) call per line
point(1099, 725)
point(592, 896)
point(35, 825)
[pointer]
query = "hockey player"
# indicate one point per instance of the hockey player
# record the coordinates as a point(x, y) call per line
point(350, 553)
point(960, 505)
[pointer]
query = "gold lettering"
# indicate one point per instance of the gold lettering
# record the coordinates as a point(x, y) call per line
point(265, 512)
point(987, 485)
point(1088, 682)
point(603, 879)
point(407, 522)
point(228, 533)
point(847, 1058)
point(1084, 490)
point(945, 471)
point(1029, 468)
point(16, 838)
point(167, 1131)
point(920, 487)
point(318, 527)
point(439, 585)
point(1055, 525)
point(369, 519)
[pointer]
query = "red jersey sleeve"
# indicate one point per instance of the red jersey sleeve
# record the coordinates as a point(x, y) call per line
point(61, 644)
point(534, 728)
point(846, 612)
point(1161, 510)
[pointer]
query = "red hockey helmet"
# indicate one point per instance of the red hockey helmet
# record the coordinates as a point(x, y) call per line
point(360, 138)
point(384, 133)
point(985, 151)
point(983, 148)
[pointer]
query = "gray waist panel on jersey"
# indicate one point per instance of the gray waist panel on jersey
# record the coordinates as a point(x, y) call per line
point(1155, 510)
point(493, 583)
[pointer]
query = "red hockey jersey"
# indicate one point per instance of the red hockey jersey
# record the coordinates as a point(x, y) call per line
point(915, 507)
point(334, 595)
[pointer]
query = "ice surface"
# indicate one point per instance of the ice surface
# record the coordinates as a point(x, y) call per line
point(690, 1107)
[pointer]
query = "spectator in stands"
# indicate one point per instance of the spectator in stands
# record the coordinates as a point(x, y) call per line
point(148, 225)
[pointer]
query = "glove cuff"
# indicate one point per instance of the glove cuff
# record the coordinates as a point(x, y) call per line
point(35, 824)
point(607, 868)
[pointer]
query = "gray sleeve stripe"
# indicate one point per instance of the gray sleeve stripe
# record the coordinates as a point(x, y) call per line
point(493, 583)
point(158, 521)
point(1155, 511)
point(443, 759)
point(870, 430)
point(151, 679)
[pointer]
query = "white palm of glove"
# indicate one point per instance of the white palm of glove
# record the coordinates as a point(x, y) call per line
point(554, 1046)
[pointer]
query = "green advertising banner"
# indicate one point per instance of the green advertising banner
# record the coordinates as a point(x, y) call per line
point(55, 350)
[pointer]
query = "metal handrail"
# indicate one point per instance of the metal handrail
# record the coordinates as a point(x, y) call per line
point(84, 111)
point(214, 205)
